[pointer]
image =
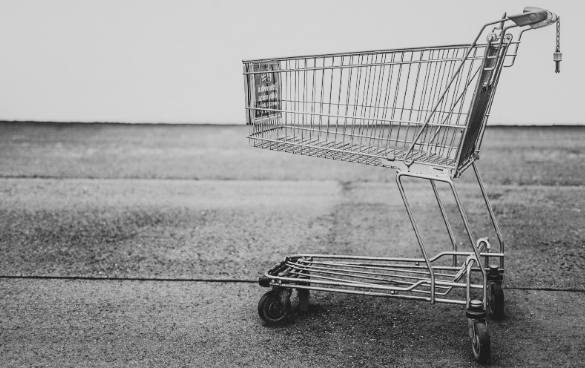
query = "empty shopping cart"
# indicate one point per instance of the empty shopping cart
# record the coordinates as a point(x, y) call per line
point(420, 111)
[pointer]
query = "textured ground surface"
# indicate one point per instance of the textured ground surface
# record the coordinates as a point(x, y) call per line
point(510, 155)
point(119, 201)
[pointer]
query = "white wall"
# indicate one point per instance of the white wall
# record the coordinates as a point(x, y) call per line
point(179, 61)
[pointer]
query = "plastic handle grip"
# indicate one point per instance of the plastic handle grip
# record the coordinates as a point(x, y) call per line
point(534, 17)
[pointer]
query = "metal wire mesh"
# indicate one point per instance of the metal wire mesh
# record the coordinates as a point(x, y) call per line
point(399, 278)
point(364, 107)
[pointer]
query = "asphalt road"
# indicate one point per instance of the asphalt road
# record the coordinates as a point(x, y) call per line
point(120, 201)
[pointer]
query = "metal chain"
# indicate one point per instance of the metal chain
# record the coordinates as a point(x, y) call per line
point(557, 56)
point(558, 34)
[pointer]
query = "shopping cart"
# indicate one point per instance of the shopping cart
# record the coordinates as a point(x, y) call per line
point(421, 111)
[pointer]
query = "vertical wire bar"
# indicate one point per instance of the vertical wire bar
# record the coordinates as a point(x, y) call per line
point(404, 100)
point(421, 106)
point(321, 101)
point(454, 102)
point(296, 99)
point(442, 107)
point(330, 97)
point(415, 87)
point(356, 97)
point(371, 126)
point(370, 103)
point(339, 98)
point(377, 103)
point(290, 104)
point(439, 146)
point(458, 85)
point(286, 98)
point(312, 99)
point(434, 65)
point(446, 220)
point(374, 102)
point(406, 84)
point(469, 233)
point(347, 98)
point(387, 99)
point(450, 66)
point(470, 77)
point(303, 104)
point(363, 98)
point(368, 77)
point(491, 212)
point(396, 93)
point(438, 90)
point(417, 233)
point(413, 96)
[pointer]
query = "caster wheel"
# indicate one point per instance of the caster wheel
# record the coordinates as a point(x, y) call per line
point(274, 308)
point(496, 301)
point(480, 343)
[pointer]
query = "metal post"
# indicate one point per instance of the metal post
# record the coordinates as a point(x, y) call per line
point(492, 215)
point(447, 223)
point(469, 233)
point(418, 236)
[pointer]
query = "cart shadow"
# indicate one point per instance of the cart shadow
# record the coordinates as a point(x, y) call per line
point(376, 331)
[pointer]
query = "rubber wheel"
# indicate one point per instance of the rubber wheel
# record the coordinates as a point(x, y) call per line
point(481, 343)
point(496, 302)
point(272, 310)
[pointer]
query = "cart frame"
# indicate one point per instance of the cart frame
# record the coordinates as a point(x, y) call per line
point(440, 142)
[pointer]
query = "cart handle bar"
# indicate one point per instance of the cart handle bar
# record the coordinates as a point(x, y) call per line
point(534, 17)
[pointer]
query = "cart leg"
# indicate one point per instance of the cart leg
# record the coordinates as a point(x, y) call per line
point(473, 246)
point(447, 223)
point(303, 299)
point(416, 232)
point(492, 215)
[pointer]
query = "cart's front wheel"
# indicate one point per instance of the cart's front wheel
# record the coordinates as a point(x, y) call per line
point(274, 307)
point(496, 301)
point(481, 342)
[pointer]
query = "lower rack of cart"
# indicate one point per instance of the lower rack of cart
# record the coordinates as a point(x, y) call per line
point(435, 281)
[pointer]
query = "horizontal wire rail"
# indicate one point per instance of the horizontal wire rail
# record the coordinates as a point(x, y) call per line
point(239, 281)
point(370, 106)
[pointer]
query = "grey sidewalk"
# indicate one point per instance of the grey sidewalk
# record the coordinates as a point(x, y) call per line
point(54, 323)
point(236, 229)
point(121, 201)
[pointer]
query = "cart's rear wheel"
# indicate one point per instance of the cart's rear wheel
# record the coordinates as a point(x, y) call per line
point(496, 301)
point(274, 308)
point(481, 342)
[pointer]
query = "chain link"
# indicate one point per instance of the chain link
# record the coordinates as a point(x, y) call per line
point(558, 34)
point(557, 57)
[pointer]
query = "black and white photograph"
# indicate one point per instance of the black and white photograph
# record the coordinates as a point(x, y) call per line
point(292, 183)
